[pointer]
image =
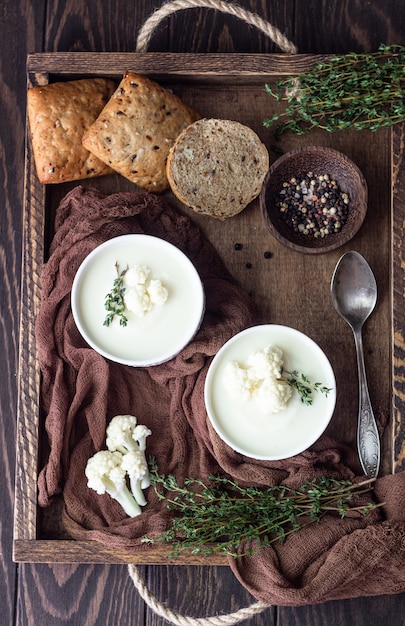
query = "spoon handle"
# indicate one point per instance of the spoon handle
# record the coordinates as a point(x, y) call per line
point(368, 441)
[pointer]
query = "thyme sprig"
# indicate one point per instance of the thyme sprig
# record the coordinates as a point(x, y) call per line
point(217, 516)
point(359, 91)
point(114, 300)
point(304, 386)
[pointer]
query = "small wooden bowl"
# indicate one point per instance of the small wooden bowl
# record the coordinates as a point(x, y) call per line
point(319, 160)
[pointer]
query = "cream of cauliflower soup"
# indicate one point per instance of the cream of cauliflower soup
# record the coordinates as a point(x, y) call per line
point(160, 332)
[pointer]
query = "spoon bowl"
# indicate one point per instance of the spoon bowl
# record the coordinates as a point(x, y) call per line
point(354, 296)
point(354, 289)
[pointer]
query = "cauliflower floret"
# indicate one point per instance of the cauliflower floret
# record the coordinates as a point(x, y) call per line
point(107, 470)
point(125, 435)
point(137, 300)
point(157, 293)
point(140, 433)
point(135, 465)
point(120, 433)
point(141, 292)
point(260, 380)
point(267, 362)
point(273, 395)
point(105, 474)
point(137, 275)
point(236, 381)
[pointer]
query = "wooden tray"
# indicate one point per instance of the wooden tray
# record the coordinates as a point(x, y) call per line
point(289, 288)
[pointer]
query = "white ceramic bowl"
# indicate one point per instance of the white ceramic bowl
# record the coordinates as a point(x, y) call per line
point(271, 436)
point(160, 334)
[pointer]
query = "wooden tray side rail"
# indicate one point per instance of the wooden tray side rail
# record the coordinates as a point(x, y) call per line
point(398, 291)
point(29, 545)
point(28, 422)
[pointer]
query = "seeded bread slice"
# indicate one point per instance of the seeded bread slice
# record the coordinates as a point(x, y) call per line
point(136, 129)
point(217, 167)
point(59, 114)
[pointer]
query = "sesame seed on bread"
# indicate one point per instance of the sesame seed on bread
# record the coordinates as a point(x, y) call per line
point(136, 129)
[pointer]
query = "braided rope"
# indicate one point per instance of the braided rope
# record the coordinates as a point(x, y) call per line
point(173, 617)
point(253, 19)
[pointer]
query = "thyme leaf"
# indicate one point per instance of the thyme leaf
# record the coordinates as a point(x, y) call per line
point(359, 91)
point(219, 514)
point(114, 300)
point(304, 386)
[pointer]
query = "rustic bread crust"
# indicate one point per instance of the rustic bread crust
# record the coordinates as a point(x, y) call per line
point(59, 114)
point(136, 129)
point(217, 167)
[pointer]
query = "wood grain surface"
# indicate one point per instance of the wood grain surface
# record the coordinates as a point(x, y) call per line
point(84, 595)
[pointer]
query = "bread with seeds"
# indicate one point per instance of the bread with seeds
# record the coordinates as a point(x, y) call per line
point(59, 114)
point(136, 129)
point(217, 167)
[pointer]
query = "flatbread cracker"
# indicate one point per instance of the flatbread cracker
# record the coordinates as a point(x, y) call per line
point(136, 130)
point(59, 114)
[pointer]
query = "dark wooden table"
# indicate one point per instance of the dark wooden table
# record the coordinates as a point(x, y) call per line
point(44, 594)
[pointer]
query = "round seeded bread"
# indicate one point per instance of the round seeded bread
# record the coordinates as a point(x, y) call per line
point(217, 167)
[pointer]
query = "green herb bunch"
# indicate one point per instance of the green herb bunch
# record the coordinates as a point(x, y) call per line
point(359, 91)
point(219, 516)
point(304, 386)
point(114, 300)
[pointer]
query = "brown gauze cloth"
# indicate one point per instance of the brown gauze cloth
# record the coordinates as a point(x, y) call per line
point(81, 391)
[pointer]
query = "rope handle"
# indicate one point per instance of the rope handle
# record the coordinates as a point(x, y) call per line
point(173, 617)
point(252, 19)
point(143, 39)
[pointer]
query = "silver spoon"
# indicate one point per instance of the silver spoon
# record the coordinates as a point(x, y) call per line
point(354, 296)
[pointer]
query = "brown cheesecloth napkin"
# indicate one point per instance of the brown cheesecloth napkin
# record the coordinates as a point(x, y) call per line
point(81, 391)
